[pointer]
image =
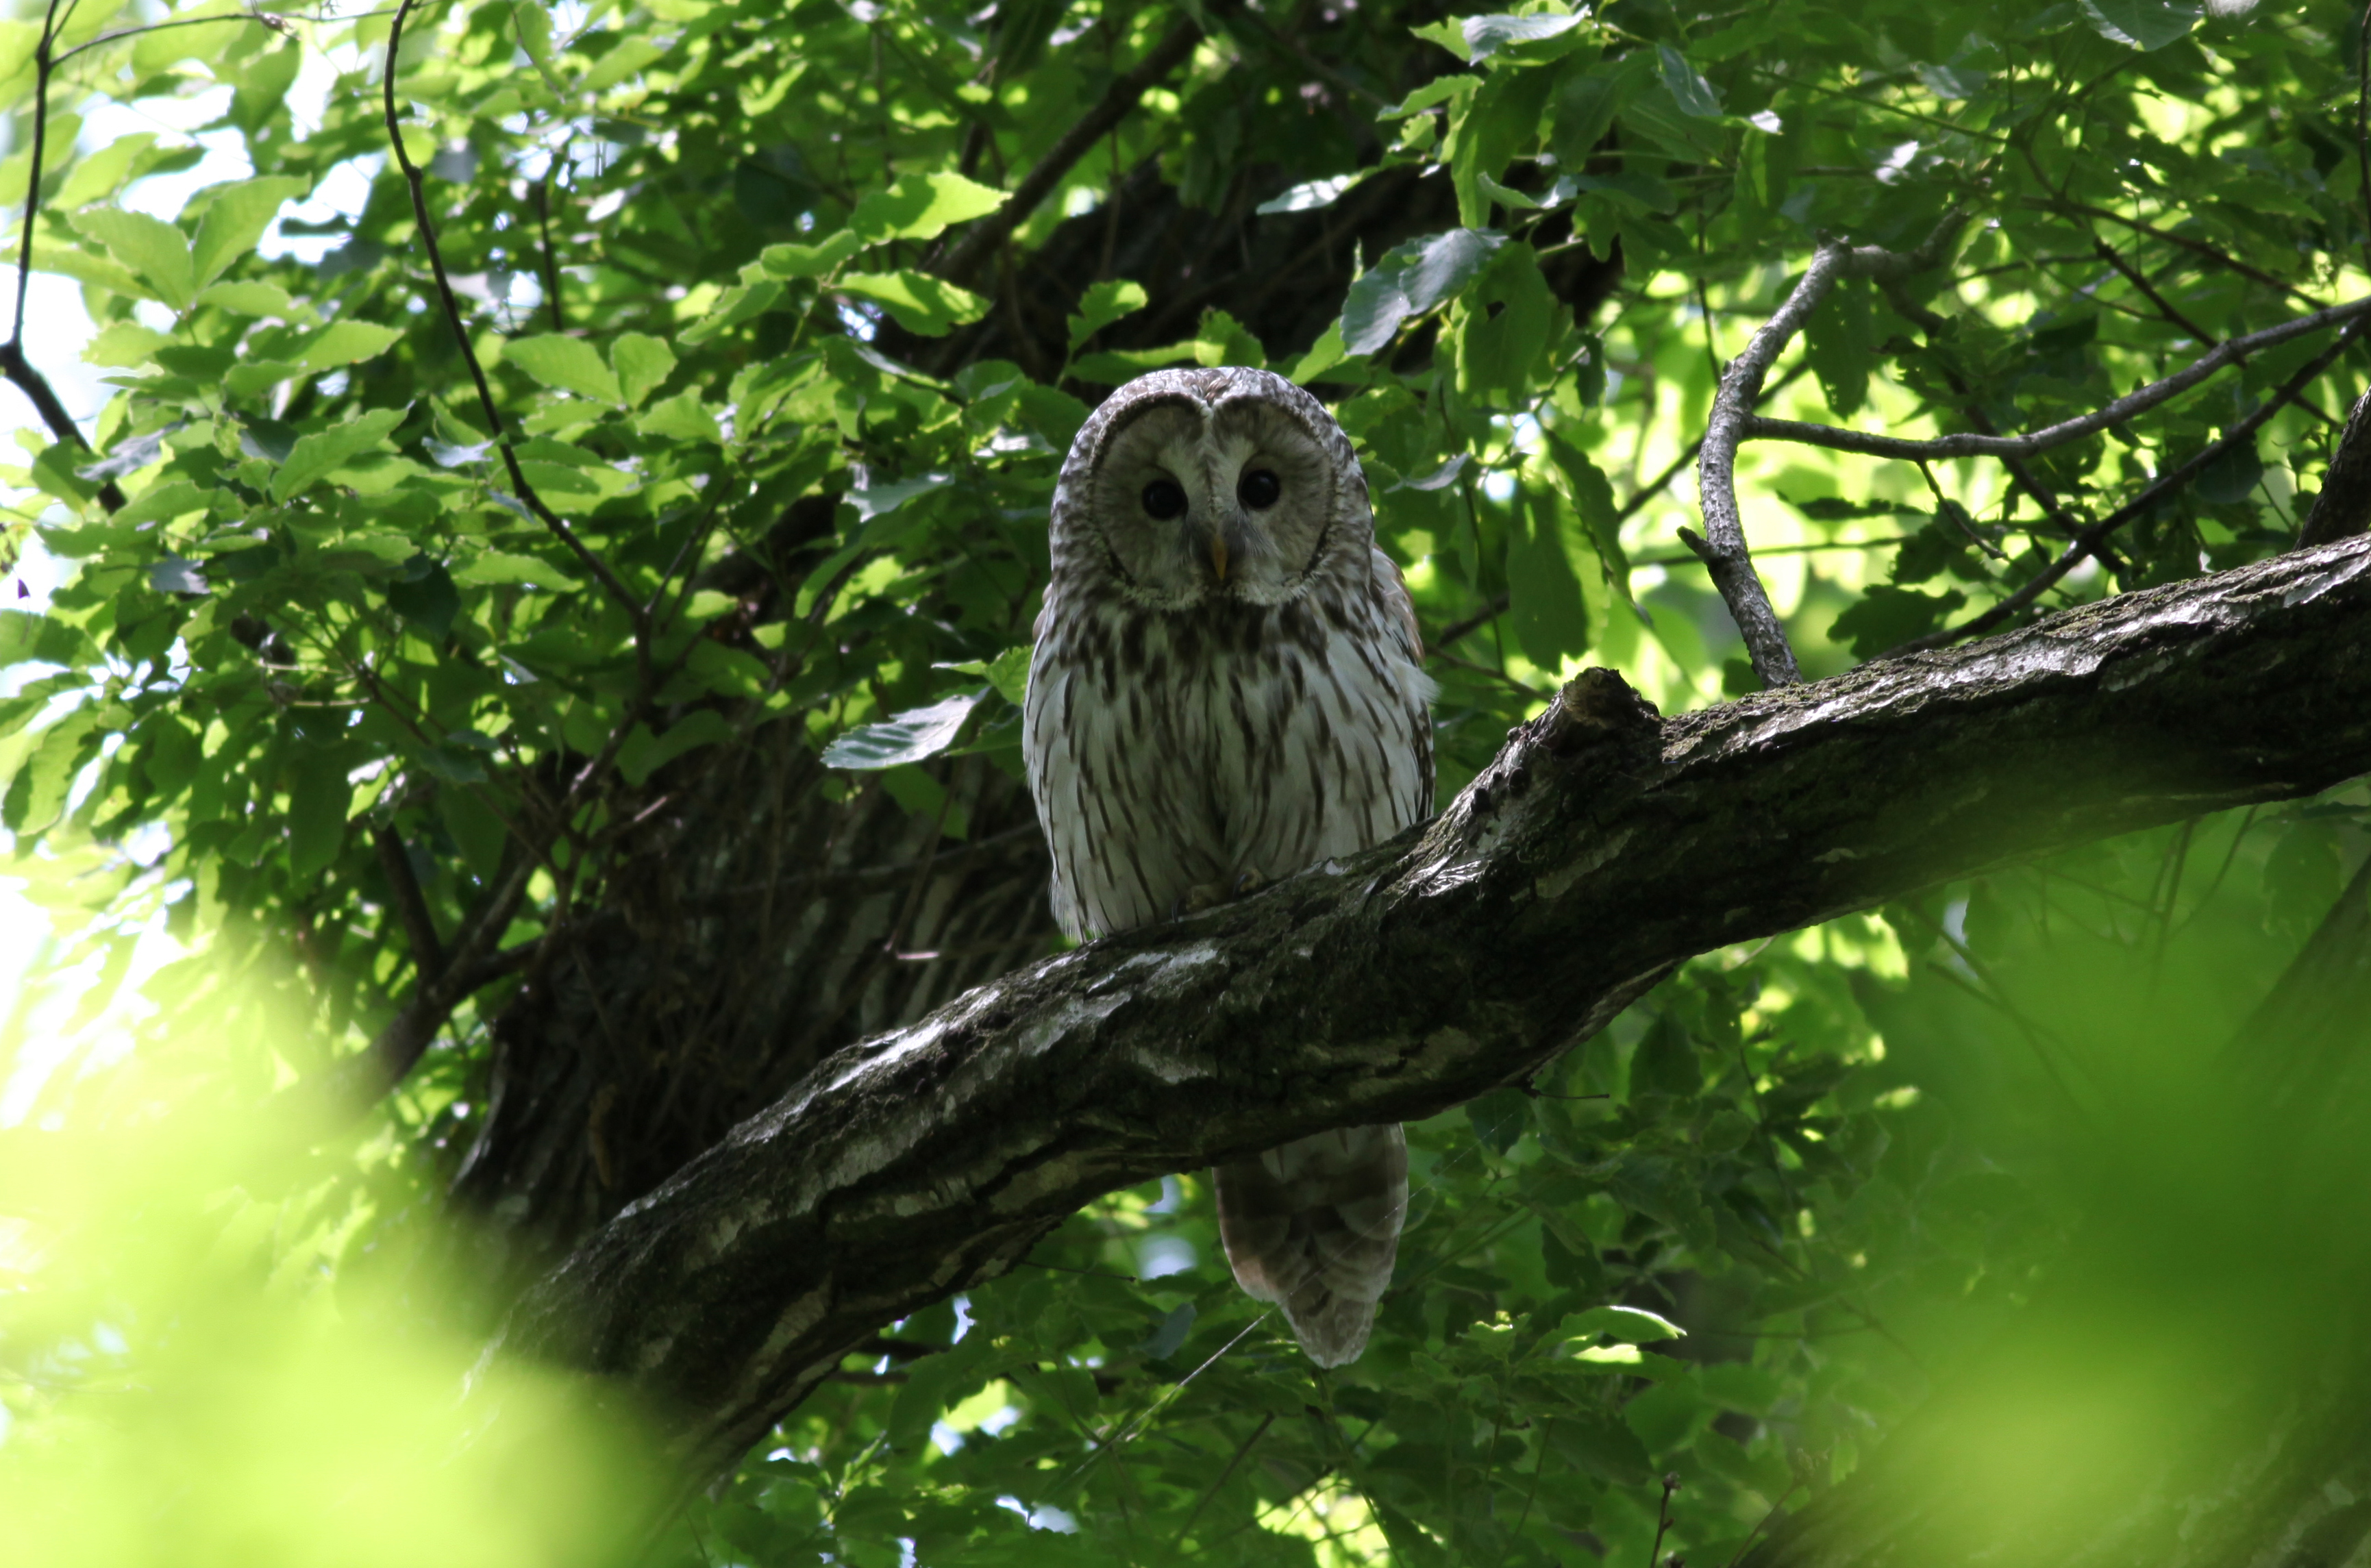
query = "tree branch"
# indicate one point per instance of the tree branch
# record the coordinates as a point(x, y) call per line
point(1723, 550)
point(417, 182)
point(1601, 850)
point(419, 925)
point(2166, 484)
point(2125, 408)
point(13, 363)
point(984, 238)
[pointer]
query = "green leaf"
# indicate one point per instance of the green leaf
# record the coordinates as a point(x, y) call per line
point(1593, 498)
point(497, 568)
point(1598, 1444)
point(316, 456)
point(125, 344)
point(425, 597)
point(150, 248)
point(1486, 36)
point(920, 206)
point(1410, 279)
point(625, 59)
point(1690, 91)
point(1311, 195)
point(810, 260)
point(28, 638)
point(1502, 120)
point(1886, 617)
point(923, 305)
point(317, 796)
point(936, 1383)
point(1549, 616)
point(348, 342)
point(2142, 24)
point(1102, 305)
point(643, 363)
point(99, 174)
point(163, 503)
point(39, 791)
point(236, 220)
point(249, 299)
point(910, 736)
point(567, 364)
point(67, 261)
point(1506, 324)
point(1628, 1325)
point(682, 418)
point(1008, 672)
point(1586, 102)
point(644, 754)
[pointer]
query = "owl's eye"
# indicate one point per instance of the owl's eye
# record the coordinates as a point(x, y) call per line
point(1165, 499)
point(1258, 490)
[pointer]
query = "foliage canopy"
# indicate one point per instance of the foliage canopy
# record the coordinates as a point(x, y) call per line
point(387, 646)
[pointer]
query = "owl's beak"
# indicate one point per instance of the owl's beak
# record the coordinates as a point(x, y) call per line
point(1218, 553)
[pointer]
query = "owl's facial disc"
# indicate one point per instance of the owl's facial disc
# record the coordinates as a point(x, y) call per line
point(1199, 502)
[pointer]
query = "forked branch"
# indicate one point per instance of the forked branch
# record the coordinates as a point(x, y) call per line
point(2092, 539)
point(1969, 445)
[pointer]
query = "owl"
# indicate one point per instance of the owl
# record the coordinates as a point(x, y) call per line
point(1227, 687)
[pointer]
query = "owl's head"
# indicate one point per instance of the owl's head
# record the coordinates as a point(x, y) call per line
point(1195, 486)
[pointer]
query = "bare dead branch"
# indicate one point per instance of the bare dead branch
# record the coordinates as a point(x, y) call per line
point(1723, 547)
point(2229, 353)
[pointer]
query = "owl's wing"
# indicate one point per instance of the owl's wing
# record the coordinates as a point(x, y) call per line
point(1315, 1227)
point(1391, 584)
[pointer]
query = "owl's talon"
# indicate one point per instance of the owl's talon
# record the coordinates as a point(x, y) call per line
point(1199, 898)
point(1205, 896)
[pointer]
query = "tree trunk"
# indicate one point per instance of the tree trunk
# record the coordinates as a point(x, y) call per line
point(751, 929)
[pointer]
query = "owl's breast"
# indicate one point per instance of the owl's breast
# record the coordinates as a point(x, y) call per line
point(1174, 750)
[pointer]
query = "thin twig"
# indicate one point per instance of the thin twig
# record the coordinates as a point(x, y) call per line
point(411, 904)
point(2195, 247)
point(986, 235)
point(2228, 352)
point(1663, 1518)
point(526, 492)
point(2165, 485)
point(1212, 1490)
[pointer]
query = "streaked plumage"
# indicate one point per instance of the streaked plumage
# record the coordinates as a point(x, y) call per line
point(1226, 684)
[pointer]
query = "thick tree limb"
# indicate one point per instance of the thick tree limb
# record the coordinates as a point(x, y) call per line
point(1600, 850)
point(1723, 550)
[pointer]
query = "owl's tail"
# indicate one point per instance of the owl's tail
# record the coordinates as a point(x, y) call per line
point(1314, 1226)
